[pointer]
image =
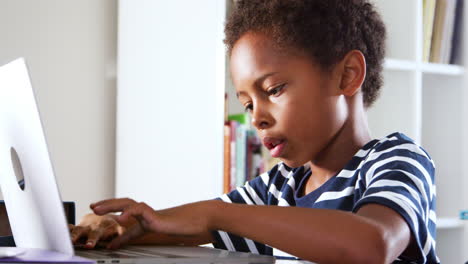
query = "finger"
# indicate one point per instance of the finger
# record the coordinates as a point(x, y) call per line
point(107, 222)
point(107, 200)
point(78, 232)
point(108, 235)
point(110, 200)
point(112, 205)
point(110, 228)
point(113, 216)
point(131, 233)
point(93, 238)
point(92, 205)
point(142, 212)
point(102, 244)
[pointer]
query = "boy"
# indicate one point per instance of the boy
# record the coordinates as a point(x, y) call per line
point(306, 71)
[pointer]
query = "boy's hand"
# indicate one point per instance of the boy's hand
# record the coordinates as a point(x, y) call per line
point(189, 220)
point(94, 229)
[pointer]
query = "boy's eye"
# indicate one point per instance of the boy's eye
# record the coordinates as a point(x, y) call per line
point(248, 107)
point(276, 90)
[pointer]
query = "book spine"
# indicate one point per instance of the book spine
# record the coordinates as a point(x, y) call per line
point(241, 150)
point(227, 158)
point(249, 155)
point(254, 155)
point(438, 31)
point(457, 33)
point(233, 126)
point(450, 23)
point(428, 23)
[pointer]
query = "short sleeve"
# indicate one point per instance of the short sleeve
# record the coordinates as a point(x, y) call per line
point(254, 192)
point(402, 178)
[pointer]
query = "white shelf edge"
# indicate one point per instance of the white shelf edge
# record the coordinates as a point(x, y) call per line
point(397, 64)
point(445, 69)
point(425, 68)
point(449, 223)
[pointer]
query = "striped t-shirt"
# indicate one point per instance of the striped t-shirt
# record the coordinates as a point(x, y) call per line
point(393, 171)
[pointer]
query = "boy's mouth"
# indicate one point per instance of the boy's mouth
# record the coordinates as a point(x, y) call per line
point(274, 145)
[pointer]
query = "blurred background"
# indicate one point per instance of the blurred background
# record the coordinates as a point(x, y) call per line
point(132, 98)
point(71, 49)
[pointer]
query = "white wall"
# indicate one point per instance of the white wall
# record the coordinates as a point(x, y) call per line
point(70, 46)
point(170, 101)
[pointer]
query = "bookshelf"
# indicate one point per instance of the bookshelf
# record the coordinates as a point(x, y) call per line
point(399, 65)
point(428, 102)
point(449, 223)
point(425, 67)
point(442, 69)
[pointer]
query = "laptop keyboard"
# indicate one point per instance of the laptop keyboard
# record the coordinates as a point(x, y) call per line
point(123, 253)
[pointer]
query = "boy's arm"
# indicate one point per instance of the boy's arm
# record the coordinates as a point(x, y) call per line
point(376, 234)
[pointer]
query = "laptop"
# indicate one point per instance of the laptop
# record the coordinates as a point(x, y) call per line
point(35, 209)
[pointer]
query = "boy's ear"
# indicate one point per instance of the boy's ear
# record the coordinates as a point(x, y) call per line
point(353, 72)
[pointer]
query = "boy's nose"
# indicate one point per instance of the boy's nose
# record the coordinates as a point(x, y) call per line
point(260, 124)
point(261, 120)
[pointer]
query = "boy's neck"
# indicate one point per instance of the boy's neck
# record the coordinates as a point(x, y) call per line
point(352, 136)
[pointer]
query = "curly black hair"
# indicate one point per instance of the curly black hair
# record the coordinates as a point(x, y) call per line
point(324, 29)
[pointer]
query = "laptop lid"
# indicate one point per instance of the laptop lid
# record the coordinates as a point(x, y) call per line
point(36, 213)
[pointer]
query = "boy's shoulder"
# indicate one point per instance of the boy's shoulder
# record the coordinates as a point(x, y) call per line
point(393, 139)
point(397, 144)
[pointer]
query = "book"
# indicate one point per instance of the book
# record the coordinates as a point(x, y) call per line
point(233, 125)
point(448, 34)
point(428, 23)
point(242, 118)
point(438, 28)
point(226, 107)
point(255, 164)
point(243, 157)
point(464, 215)
point(241, 154)
point(443, 31)
point(457, 32)
point(227, 158)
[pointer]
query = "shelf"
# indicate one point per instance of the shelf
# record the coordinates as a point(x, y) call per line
point(444, 69)
point(402, 65)
point(449, 223)
point(429, 68)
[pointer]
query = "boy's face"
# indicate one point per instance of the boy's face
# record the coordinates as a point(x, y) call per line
point(296, 107)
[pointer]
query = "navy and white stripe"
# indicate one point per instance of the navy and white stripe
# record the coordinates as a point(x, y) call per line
point(393, 171)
